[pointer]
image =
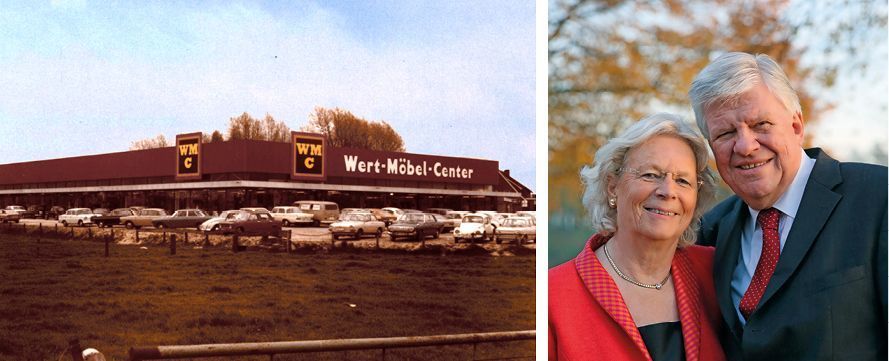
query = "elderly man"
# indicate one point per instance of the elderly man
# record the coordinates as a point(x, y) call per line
point(800, 265)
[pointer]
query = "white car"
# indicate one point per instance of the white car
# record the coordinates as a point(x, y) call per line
point(17, 209)
point(213, 223)
point(518, 229)
point(474, 226)
point(291, 216)
point(78, 216)
point(356, 225)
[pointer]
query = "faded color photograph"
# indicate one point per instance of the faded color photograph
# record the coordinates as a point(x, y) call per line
point(262, 180)
point(717, 180)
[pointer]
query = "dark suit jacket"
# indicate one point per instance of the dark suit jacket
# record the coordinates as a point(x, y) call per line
point(827, 297)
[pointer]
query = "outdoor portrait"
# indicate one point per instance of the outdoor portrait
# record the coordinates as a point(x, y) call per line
point(255, 180)
point(717, 180)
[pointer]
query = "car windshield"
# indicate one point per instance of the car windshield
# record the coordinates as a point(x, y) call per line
point(411, 217)
point(354, 217)
point(473, 219)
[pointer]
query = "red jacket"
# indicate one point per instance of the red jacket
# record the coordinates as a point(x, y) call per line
point(588, 319)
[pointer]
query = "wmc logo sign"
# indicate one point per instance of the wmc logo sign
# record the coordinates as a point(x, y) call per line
point(188, 156)
point(308, 155)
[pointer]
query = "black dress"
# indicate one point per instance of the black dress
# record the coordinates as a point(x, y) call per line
point(664, 341)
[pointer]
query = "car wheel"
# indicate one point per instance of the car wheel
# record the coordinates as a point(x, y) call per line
point(286, 223)
point(498, 240)
point(161, 226)
point(335, 237)
point(435, 234)
point(80, 223)
point(316, 223)
point(64, 223)
point(523, 240)
point(456, 240)
point(240, 230)
point(129, 225)
point(359, 234)
point(215, 227)
point(379, 233)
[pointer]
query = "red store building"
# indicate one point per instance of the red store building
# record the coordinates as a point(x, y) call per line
point(242, 173)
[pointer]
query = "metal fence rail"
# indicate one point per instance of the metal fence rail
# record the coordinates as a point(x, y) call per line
point(273, 348)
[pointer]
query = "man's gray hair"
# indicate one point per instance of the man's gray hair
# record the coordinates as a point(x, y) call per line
point(611, 157)
point(730, 75)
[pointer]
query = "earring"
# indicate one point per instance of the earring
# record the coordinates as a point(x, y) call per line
point(612, 202)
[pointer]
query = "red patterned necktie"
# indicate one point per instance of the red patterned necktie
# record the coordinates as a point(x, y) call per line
point(771, 249)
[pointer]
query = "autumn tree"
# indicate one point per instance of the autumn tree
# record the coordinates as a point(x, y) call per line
point(245, 126)
point(216, 136)
point(344, 129)
point(157, 142)
point(613, 61)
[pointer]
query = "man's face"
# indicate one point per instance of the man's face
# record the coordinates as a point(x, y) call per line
point(756, 142)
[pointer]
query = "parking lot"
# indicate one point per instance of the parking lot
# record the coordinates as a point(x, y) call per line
point(299, 236)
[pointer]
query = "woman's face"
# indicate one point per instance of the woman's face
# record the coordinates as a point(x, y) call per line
point(657, 189)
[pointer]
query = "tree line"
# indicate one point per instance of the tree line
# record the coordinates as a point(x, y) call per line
point(341, 127)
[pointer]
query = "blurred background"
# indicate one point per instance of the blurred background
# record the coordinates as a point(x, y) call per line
point(612, 62)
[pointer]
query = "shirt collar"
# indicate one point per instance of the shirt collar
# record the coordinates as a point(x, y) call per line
point(789, 202)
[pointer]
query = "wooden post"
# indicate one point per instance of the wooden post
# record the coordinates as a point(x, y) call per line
point(72, 232)
point(107, 242)
point(173, 244)
point(137, 235)
point(89, 230)
point(55, 229)
point(235, 243)
point(377, 236)
point(164, 237)
point(206, 240)
point(40, 229)
point(76, 351)
point(186, 237)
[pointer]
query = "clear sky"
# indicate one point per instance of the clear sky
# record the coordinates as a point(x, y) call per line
point(453, 78)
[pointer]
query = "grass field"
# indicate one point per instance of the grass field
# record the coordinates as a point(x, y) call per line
point(57, 290)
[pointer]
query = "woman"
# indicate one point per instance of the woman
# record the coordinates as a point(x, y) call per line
point(639, 290)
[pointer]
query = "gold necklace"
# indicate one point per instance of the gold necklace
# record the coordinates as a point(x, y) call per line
point(656, 286)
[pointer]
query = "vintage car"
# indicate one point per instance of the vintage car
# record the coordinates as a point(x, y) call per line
point(498, 218)
point(100, 211)
point(112, 218)
point(250, 223)
point(453, 219)
point(322, 211)
point(24, 212)
point(183, 218)
point(78, 216)
point(289, 216)
point(54, 212)
point(474, 226)
point(415, 225)
point(357, 224)
point(9, 216)
point(518, 229)
point(212, 224)
point(389, 215)
point(144, 218)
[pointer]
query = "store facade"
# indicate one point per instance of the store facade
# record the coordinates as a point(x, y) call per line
point(243, 173)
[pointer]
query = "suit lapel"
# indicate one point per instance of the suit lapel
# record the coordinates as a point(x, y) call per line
point(815, 208)
point(728, 247)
